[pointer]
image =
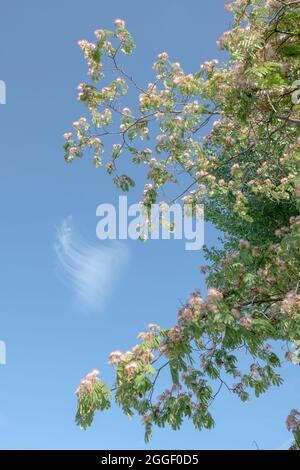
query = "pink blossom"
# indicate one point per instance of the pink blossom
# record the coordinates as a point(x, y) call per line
point(114, 357)
point(120, 24)
point(214, 294)
point(244, 244)
point(87, 384)
point(293, 420)
point(246, 322)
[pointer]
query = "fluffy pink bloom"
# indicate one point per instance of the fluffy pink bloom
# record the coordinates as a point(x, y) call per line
point(235, 169)
point(131, 369)
point(290, 303)
point(114, 357)
point(293, 421)
point(120, 24)
point(246, 322)
point(244, 244)
point(87, 384)
point(145, 336)
point(175, 334)
point(214, 295)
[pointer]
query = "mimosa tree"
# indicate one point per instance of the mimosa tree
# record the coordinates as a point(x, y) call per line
point(245, 171)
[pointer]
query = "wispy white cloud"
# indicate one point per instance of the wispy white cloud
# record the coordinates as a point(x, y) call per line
point(89, 269)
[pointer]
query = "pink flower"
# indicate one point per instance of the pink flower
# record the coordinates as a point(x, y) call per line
point(114, 357)
point(130, 369)
point(235, 169)
point(290, 303)
point(293, 421)
point(212, 308)
point(119, 24)
point(246, 322)
point(88, 383)
point(236, 313)
point(214, 295)
point(145, 336)
point(94, 373)
point(243, 244)
point(175, 334)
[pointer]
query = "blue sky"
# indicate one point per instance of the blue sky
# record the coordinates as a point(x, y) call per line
point(55, 334)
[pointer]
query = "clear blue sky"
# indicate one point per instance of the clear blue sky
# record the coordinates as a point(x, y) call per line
point(53, 337)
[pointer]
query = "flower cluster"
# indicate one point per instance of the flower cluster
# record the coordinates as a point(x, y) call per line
point(88, 383)
point(291, 303)
point(293, 421)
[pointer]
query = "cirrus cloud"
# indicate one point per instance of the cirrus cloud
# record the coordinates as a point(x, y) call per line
point(90, 269)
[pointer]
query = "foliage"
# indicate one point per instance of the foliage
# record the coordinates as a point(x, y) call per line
point(245, 171)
